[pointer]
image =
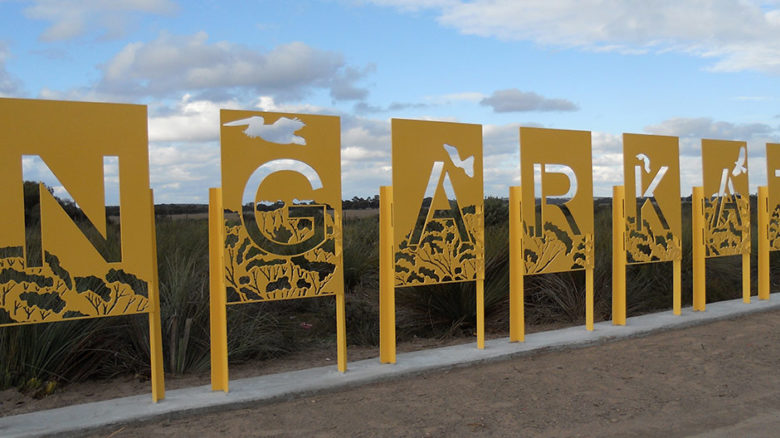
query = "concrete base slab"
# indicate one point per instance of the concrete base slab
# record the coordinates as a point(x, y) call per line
point(77, 419)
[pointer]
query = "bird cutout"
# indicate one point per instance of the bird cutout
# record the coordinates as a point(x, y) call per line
point(739, 165)
point(281, 131)
point(646, 160)
point(467, 165)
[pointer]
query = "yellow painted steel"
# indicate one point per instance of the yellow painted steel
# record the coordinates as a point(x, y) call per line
point(652, 210)
point(769, 213)
point(155, 329)
point(773, 196)
point(699, 251)
point(480, 314)
point(280, 223)
point(82, 267)
point(726, 205)
point(763, 242)
point(516, 265)
point(589, 298)
point(281, 188)
point(217, 301)
point(437, 213)
point(677, 282)
point(437, 202)
point(618, 256)
point(341, 315)
point(651, 169)
point(341, 332)
point(746, 277)
point(386, 283)
point(557, 175)
point(726, 198)
point(85, 264)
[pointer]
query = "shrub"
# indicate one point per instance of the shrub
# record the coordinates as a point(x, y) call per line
point(38, 357)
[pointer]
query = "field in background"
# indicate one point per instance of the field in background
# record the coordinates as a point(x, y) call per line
point(40, 358)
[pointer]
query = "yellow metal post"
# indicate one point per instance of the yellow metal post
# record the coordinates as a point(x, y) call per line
point(516, 267)
point(218, 300)
point(589, 298)
point(677, 279)
point(155, 330)
point(618, 256)
point(589, 282)
point(481, 313)
point(746, 275)
point(746, 259)
point(341, 331)
point(341, 317)
point(699, 276)
point(386, 284)
point(763, 243)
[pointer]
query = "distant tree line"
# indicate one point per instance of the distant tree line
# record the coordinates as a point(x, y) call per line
point(176, 209)
point(358, 203)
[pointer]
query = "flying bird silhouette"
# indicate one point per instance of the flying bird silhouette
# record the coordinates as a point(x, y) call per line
point(467, 164)
point(646, 160)
point(281, 131)
point(739, 165)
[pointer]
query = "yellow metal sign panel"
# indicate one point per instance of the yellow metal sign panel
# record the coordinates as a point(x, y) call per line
point(651, 169)
point(281, 188)
point(64, 259)
point(726, 197)
point(437, 202)
point(773, 184)
point(557, 211)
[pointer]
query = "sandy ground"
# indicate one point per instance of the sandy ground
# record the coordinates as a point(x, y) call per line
point(719, 379)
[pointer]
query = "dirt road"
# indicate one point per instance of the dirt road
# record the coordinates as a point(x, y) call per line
point(719, 379)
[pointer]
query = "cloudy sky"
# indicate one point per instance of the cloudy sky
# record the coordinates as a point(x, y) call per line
point(693, 69)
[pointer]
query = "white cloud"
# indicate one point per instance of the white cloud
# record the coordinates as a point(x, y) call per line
point(357, 153)
point(705, 127)
point(267, 103)
point(9, 85)
point(692, 130)
point(514, 100)
point(394, 107)
point(343, 86)
point(606, 143)
point(607, 159)
point(738, 34)
point(446, 99)
point(501, 139)
point(182, 167)
point(74, 18)
point(501, 171)
point(365, 155)
point(184, 154)
point(190, 63)
point(182, 173)
point(190, 120)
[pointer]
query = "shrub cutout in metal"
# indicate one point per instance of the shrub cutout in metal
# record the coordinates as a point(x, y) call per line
point(651, 168)
point(726, 204)
point(773, 184)
point(437, 202)
point(64, 259)
point(281, 186)
point(558, 184)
